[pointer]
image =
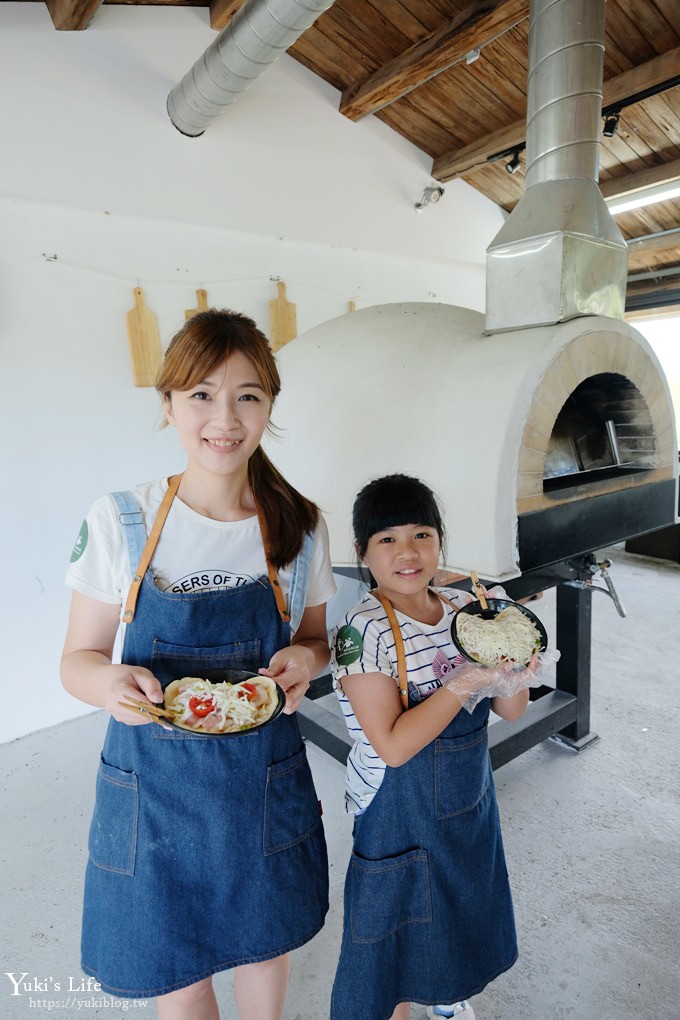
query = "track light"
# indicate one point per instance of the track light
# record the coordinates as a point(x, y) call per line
point(611, 124)
point(429, 195)
point(513, 166)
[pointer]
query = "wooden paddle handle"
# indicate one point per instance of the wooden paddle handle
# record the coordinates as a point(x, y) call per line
point(478, 589)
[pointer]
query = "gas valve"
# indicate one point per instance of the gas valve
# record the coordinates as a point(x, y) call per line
point(599, 568)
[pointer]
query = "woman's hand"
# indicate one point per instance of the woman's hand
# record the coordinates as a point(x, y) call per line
point(86, 668)
point(131, 682)
point(290, 668)
point(306, 657)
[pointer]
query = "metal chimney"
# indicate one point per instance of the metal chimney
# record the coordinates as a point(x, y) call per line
point(560, 254)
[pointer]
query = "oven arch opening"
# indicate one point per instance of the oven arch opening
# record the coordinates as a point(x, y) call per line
point(603, 430)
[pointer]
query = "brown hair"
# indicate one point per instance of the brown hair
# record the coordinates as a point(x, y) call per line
point(203, 344)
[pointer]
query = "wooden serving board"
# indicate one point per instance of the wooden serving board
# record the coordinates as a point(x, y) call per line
point(282, 318)
point(202, 304)
point(144, 341)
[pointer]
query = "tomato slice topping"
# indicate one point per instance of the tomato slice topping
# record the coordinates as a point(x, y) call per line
point(201, 706)
point(251, 689)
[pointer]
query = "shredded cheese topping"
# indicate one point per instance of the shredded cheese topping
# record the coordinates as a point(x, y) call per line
point(234, 706)
point(510, 637)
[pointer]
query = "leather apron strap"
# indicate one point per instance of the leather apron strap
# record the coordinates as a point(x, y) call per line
point(402, 682)
point(152, 542)
point(150, 548)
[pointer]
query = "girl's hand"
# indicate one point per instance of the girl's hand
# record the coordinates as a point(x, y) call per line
point(471, 683)
point(132, 682)
point(290, 667)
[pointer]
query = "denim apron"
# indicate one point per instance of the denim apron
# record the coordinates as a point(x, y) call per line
point(205, 852)
point(428, 912)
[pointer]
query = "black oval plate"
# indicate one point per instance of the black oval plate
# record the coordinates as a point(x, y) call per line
point(233, 676)
point(495, 606)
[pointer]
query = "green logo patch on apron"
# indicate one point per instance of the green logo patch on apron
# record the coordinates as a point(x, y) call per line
point(348, 646)
point(81, 542)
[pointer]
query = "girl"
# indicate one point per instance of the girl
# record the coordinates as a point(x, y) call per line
point(428, 912)
point(205, 853)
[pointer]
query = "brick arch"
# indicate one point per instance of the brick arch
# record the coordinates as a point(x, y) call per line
point(592, 354)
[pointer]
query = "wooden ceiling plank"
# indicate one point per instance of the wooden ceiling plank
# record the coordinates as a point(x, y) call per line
point(670, 10)
point(324, 57)
point(415, 23)
point(651, 23)
point(222, 11)
point(474, 156)
point(628, 39)
point(72, 15)
point(476, 25)
point(656, 122)
point(368, 30)
point(444, 96)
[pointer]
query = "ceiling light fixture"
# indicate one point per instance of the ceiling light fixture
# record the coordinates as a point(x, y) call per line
point(645, 196)
point(429, 195)
point(513, 166)
point(611, 124)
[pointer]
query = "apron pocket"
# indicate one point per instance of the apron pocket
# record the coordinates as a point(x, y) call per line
point(291, 807)
point(171, 662)
point(386, 895)
point(113, 833)
point(462, 773)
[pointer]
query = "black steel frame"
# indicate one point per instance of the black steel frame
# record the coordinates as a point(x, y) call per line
point(562, 713)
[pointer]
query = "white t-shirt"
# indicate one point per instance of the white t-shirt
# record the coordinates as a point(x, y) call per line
point(364, 643)
point(194, 553)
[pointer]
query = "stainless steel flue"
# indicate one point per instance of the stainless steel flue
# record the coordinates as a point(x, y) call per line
point(560, 254)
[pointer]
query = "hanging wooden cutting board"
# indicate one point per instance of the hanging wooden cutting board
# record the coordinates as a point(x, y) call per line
point(202, 304)
point(282, 318)
point(144, 341)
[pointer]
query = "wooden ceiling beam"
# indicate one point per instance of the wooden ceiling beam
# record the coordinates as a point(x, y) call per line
point(475, 26)
point(654, 244)
point(619, 187)
point(470, 158)
point(222, 11)
point(655, 289)
point(72, 15)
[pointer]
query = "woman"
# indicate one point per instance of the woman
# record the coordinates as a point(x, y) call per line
point(206, 853)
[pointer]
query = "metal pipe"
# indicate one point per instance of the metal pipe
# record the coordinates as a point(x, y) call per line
point(259, 32)
point(559, 255)
point(564, 90)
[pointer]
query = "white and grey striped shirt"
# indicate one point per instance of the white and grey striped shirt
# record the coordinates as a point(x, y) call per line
point(363, 643)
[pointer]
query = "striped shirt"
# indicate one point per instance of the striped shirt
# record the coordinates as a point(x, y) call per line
point(363, 643)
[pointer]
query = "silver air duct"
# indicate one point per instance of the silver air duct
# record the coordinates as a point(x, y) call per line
point(560, 254)
point(259, 32)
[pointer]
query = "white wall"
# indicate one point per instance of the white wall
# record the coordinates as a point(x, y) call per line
point(93, 173)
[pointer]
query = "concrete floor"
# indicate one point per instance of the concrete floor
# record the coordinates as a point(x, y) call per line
point(592, 840)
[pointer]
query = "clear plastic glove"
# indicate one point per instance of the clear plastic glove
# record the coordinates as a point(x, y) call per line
point(472, 683)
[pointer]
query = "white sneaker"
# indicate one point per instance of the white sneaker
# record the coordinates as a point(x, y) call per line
point(458, 1009)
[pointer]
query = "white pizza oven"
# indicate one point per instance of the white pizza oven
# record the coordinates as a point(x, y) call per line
point(542, 443)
